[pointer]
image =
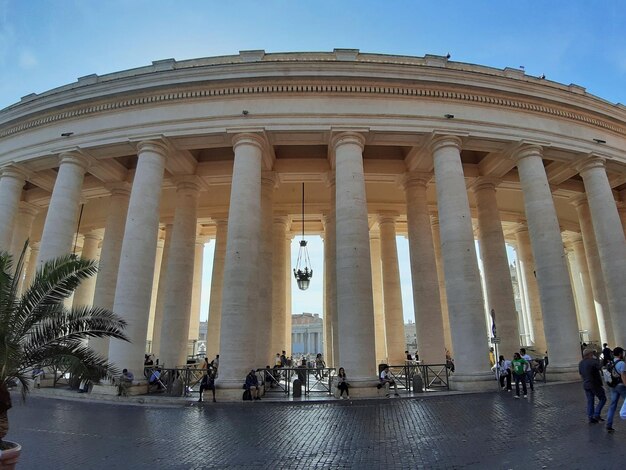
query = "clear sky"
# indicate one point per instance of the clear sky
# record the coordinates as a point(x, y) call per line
point(48, 43)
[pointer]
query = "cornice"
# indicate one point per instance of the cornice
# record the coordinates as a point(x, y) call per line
point(313, 87)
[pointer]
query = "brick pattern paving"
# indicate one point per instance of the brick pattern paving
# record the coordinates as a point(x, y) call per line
point(483, 431)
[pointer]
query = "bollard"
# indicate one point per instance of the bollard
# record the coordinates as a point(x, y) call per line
point(418, 384)
point(297, 388)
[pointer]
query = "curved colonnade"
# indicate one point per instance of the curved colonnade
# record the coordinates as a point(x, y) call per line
point(163, 158)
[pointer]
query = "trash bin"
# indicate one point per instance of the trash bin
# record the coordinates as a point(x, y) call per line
point(418, 384)
point(297, 388)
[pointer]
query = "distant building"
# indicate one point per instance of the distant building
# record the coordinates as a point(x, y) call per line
point(410, 335)
point(307, 333)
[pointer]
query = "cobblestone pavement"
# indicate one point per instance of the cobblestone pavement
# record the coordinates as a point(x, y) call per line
point(486, 431)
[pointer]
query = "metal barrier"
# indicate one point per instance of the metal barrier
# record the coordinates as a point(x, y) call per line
point(434, 376)
point(313, 380)
point(179, 381)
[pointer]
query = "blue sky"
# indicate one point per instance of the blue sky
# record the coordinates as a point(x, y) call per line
point(48, 43)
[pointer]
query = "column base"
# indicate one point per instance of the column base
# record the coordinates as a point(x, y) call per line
point(562, 373)
point(478, 382)
point(137, 388)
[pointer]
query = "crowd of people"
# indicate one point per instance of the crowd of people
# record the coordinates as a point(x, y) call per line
point(521, 370)
point(609, 370)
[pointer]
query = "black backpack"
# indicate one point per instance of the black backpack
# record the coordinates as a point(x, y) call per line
point(615, 377)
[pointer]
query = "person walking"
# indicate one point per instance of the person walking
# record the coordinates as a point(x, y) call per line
point(529, 370)
point(504, 368)
point(342, 383)
point(519, 366)
point(618, 390)
point(589, 370)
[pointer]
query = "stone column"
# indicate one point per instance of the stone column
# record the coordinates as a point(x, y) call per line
point(264, 309)
point(443, 296)
point(104, 292)
point(217, 285)
point(196, 296)
point(555, 291)
point(136, 268)
point(22, 228)
point(240, 293)
point(598, 286)
point(392, 295)
point(610, 240)
point(496, 266)
point(589, 320)
point(31, 269)
point(531, 289)
point(158, 265)
point(279, 295)
point(329, 299)
point(426, 298)
point(288, 284)
point(159, 306)
point(83, 295)
point(180, 267)
point(355, 304)
point(621, 207)
point(60, 225)
point(463, 286)
point(377, 290)
point(331, 270)
point(11, 183)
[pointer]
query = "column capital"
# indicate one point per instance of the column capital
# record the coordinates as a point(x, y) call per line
point(118, 188)
point(329, 179)
point(269, 178)
point(416, 179)
point(29, 208)
point(93, 235)
point(202, 239)
point(579, 200)
point(281, 219)
point(75, 157)
point(527, 150)
point(375, 234)
point(443, 141)
point(220, 219)
point(248, 138)
point(520, 228)
point(157, 146)
point(348, 137)
point(386, 217)
point(13, 171)
point(485, 182)
point(589, 162)
point(187, 183)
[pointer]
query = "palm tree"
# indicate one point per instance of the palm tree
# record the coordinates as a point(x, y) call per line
point(39, 331)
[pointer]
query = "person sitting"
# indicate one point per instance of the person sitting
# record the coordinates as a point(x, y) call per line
point(207, 383)
point(124, 382)
point(342, 383)
point(387, 381)
point(155, 379)
point(252, 385)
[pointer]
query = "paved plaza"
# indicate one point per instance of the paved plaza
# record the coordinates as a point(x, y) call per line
point(489, 430)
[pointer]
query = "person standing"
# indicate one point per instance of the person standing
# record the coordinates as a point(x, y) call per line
point(319, 366)
point(619, 390)
point(342, 383)
point(519, 366)
point(529, 370)
point(607, 354)
point(589, 369)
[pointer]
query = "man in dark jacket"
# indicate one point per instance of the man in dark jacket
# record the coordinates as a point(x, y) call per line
point(589, 369)
point(252, 384)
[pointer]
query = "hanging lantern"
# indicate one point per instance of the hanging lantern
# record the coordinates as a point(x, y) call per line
point(303, 272)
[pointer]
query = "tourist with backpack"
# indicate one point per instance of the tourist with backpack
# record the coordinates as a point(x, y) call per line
point(519, 366)
point(617, 384)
